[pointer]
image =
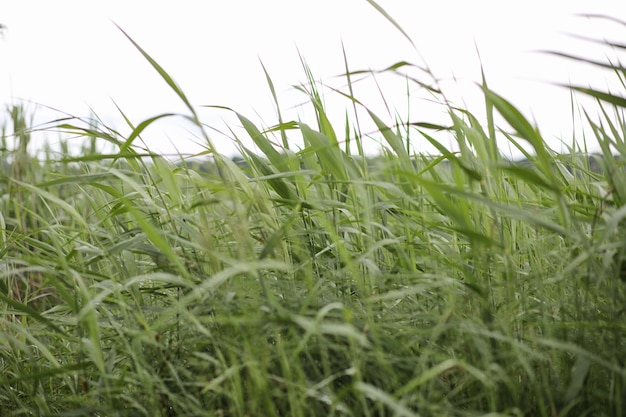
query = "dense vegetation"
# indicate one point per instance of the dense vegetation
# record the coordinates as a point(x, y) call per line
point(315, 281)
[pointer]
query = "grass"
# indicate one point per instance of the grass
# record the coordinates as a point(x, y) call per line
point(316, 281)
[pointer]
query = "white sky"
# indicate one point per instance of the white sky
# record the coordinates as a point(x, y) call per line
point(69, 55)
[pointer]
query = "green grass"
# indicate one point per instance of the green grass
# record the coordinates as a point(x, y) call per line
point(316, 281)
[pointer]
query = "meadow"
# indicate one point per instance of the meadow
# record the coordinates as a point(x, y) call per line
point(316, 281)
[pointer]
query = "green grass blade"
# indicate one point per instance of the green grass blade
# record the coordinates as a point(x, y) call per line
point(390, 19)
point(394, 141)
point(166, 77)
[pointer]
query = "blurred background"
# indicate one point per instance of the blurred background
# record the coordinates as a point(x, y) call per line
point(69, 58)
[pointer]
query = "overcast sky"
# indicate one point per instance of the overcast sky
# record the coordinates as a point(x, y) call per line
point(69, 55)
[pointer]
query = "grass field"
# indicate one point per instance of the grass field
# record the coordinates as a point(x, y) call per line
point(316, 281)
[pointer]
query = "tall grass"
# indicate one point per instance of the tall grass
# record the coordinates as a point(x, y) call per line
point(313, 281)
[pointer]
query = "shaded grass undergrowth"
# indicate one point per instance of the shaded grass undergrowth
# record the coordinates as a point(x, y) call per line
point(316, 281)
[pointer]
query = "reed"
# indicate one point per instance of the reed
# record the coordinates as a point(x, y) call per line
point(315, 281)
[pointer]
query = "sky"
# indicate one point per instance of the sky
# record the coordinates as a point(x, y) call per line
point(70, 57)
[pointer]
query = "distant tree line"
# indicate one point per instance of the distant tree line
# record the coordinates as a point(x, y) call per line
point(209, 166)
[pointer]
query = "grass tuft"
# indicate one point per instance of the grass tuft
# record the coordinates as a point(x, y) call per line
point(315, 281)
